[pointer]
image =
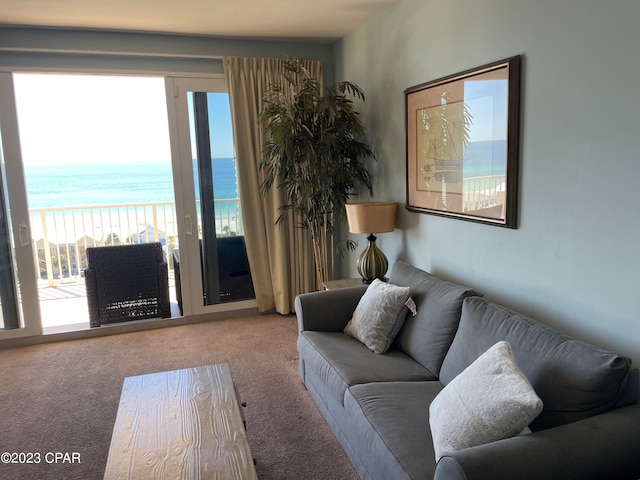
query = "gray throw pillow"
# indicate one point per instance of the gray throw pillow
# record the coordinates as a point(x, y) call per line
point(379, 315)
point(490, 400)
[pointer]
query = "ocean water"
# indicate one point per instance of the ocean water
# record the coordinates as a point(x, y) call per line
point(484, 158)
point(115, 183)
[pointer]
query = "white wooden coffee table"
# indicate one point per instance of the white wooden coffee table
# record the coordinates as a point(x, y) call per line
point(181, 424)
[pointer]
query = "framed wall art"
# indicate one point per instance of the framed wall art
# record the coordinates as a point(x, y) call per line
point(462, 144)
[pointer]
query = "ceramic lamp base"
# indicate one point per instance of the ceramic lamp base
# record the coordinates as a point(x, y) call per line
point(372, 263)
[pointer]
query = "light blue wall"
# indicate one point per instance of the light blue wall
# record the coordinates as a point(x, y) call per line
point(574, 261)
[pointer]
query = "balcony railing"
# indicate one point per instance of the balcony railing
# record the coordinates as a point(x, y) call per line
point(62, 235)
point(483, 192)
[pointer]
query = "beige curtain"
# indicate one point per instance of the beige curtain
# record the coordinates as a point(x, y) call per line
point(280, 257)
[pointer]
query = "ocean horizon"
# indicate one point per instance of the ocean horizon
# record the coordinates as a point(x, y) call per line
point(88, 184)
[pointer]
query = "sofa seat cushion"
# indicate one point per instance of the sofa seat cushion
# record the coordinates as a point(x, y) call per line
point(392, 419)
point(427, 336)
point(342, 361)
point(574, 379)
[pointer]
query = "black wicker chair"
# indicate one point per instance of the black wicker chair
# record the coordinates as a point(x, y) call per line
point(126, 282)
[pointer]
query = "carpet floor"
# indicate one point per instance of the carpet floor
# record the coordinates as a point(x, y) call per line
point(63, 397)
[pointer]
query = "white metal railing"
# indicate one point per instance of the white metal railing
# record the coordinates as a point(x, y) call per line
point(483, 192)
point(61, 235)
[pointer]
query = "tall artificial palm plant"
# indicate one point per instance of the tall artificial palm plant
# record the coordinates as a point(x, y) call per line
point(314, 152)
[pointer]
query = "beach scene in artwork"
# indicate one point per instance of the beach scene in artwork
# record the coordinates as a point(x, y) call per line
point(458, 146)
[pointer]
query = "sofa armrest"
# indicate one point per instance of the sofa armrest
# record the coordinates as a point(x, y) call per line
point(602, 446)
point(327, 310)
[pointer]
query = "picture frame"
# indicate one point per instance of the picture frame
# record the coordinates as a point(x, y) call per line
point(462, 141)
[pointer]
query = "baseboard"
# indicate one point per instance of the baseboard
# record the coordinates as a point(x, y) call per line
point(125, 327)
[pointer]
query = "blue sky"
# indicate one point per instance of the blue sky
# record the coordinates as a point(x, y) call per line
point(487, 102)
point(221, 138)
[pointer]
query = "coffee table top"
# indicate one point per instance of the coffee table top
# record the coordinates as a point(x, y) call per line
point(180, 424)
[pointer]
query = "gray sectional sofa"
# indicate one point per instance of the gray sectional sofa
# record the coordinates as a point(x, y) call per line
point(378, 404)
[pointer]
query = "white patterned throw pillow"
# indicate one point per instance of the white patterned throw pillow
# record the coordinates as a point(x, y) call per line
point(380, 314)
point(490, 400)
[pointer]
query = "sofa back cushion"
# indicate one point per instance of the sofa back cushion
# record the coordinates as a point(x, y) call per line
point(427, 336)
point(574, 379)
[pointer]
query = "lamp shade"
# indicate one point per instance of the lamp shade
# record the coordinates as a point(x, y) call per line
point(371, 217)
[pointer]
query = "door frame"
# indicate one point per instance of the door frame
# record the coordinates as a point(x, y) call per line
point(176, 88)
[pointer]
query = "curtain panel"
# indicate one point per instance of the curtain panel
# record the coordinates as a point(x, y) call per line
point(280, 257)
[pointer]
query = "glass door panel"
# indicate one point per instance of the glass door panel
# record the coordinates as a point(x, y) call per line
point(216, 263)
point(97, 165)
point(225, 268)
point(18, 291)
point(9, 316)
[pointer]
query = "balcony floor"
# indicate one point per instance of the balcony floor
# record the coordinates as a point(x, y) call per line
point(63, 307)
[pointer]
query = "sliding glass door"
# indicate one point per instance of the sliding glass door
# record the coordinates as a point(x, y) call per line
point(9, 314)
point(20, 315)
point(97, 165)
point(218, 270)
point(53, 153)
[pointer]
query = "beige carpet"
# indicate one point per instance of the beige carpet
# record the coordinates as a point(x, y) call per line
point(63, 397)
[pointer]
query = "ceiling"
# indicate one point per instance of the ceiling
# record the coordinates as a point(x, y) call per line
point(308, 19)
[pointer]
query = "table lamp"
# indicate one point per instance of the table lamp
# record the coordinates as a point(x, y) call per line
point(371, 217)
